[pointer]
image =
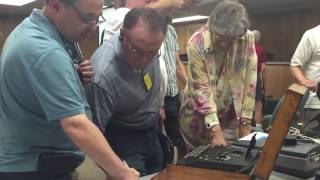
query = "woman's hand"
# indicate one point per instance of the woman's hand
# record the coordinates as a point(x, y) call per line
point(244, 127)
point(217, 137)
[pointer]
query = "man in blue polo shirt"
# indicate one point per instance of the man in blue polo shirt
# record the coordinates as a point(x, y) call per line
point(43, 110)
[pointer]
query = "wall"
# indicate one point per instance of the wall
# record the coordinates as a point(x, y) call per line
point(89, 45)
point(8, 24)
point(185, 31)
point(278, 79)
point(281, 32)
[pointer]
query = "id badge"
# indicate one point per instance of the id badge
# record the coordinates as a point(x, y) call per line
point(147, 81)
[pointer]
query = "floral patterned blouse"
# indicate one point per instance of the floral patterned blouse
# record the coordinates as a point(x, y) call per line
point(216, 81)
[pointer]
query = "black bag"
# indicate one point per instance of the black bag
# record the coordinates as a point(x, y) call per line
point(58, 163)
point(167, 148)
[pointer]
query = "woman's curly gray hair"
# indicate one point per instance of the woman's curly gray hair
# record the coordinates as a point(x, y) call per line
point(229, 18)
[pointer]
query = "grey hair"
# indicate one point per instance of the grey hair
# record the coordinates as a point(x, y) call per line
point(257, 35)
point(151, 18)
point(229, 17)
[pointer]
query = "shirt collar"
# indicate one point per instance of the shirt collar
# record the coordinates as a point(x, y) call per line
point(41, 20)
point(208, 44)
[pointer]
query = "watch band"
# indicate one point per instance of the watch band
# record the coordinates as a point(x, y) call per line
point(244, 122)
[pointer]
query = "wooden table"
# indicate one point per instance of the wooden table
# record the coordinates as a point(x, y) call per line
point(262, 170)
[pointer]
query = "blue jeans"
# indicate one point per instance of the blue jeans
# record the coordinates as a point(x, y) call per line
point(140, 149)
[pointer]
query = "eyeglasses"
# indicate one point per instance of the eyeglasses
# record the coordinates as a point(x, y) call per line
point(85, 18)
point(225, 38)
point(149, 54)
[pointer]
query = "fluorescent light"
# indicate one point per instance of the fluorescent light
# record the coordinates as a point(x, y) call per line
point(189, 18)
point(15, 2)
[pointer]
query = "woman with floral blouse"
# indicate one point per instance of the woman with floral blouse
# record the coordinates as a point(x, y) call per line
point(219, 98)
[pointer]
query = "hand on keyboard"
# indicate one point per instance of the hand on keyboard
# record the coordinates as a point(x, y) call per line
point(217, 137)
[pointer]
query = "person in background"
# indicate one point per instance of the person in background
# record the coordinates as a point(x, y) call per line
point(262, 60)
point(169, 59)
point(305, 70)
point(218, 101)
point(175, 71)
point(114, 23)
point(125, 92)
point(44, 121)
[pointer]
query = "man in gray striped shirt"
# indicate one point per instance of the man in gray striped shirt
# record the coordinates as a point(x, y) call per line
point(175, 69)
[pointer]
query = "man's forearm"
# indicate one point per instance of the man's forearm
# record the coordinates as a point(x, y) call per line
point(89, 139)
point(166, 6)
point(297, 74)
point(163, 6)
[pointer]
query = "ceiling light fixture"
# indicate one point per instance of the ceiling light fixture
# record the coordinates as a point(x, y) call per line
point(189, 18)
point(15, 2)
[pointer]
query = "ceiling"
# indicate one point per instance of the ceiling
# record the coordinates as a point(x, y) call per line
point(204, 8)
point(256, 6)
